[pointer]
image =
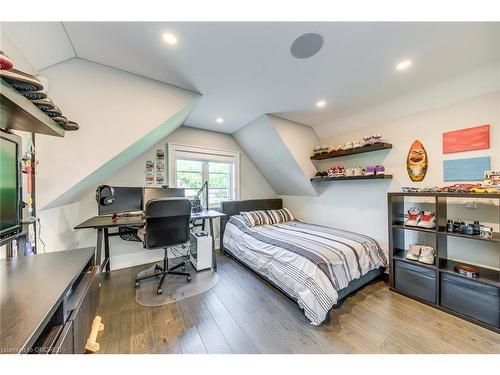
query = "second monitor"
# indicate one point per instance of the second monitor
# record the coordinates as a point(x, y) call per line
point(149, 193)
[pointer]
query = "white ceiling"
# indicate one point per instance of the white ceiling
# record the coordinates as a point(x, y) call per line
point(245, 69)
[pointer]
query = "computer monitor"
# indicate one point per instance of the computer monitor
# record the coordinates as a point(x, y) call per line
point(160, 192)
point(127, 199)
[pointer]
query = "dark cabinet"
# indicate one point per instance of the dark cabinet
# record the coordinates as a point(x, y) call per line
point(415, 280)
point(470, 298)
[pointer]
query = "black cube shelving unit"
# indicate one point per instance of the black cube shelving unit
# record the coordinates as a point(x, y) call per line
point(438, 285)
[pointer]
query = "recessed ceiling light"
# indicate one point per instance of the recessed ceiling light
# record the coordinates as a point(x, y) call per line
point(170, 38)
point(403, 65)
point(320, 104)
point(219, 120)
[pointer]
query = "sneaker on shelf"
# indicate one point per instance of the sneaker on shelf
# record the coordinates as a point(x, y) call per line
point(347, 146)
point(413, 252)
point(367, 141)
point(5, 62)
point(427, 255)
point(359, 171)
point(414, 217)
point(376, 138)
point(21, 81)
point(370, 170)
point(357, 144)
point(379, 169)
point(349, 172)
point(428, 220)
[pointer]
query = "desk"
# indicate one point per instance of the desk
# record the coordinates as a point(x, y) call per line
point(103, 223)
point(33, 290)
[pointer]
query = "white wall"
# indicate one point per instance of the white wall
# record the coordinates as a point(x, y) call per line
point(115, 111)
point(277, 147)
point(57, 223)
point(362, 206)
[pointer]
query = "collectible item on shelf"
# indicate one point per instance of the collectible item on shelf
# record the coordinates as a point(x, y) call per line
point(336, 171)
point(359, 171)
point(449, 225)
point(347, 146)
point(349, 172)
point(467, 271)
point(428, 220)
point(369, 170)
point(150, 178)
point(21, 81)
point(417, 162)
point(5, 62)
point(150, 165)
point(466, 229)
point(486, 232)
point(491, 179)
point(413, 216)
point(379, 170)
point(421, 253)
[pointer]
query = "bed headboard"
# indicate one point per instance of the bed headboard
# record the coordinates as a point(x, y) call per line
point(231, 208)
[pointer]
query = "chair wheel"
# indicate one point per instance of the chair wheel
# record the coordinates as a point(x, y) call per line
point(137, 284)
point(159, 291)
point(157, 270)
point(189, 279)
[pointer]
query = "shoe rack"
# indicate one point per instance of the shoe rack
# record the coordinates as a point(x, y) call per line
point(352, 151)
point(439, 285)
point(19, 113)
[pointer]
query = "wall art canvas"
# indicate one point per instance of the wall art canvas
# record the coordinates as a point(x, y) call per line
point(417, 162)
point(469, 169)
point(476, 138)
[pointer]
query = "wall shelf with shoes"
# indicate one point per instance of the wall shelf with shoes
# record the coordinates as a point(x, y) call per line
point(19, 113)
point(330, 154)
point(434, 261)
point(352, 178)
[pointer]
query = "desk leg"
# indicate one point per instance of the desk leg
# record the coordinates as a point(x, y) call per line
point(98, 257)
point(214, 260)
point(106, 250)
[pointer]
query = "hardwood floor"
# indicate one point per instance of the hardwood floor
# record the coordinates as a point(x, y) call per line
point(243, 314)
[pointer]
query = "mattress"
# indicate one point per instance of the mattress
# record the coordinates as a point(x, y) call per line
point(311, 263)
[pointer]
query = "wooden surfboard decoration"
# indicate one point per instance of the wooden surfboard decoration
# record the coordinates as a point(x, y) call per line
point(417, 161)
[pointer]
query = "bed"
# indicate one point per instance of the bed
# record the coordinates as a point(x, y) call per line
point(315, 266)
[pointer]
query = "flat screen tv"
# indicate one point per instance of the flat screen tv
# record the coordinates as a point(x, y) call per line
point(10, 185)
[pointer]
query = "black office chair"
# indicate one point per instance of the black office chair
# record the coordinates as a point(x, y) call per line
point(167, 225)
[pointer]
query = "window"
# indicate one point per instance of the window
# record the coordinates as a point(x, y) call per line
point(190, 167)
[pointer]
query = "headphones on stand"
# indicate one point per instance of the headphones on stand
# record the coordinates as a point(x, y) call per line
point(107, 200)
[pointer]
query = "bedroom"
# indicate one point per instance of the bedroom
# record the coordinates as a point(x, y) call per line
point(195, 187)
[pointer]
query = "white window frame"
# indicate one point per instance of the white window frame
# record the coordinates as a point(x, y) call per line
point(188, 152)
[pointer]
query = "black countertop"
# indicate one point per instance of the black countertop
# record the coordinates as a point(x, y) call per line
point(31, 289)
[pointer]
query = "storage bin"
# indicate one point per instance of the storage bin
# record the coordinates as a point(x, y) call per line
point(415, 280)
point(471, 298)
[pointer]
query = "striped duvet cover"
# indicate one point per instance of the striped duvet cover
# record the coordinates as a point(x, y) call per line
point(309, 262)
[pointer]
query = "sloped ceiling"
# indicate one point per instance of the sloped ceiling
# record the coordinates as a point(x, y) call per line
point(280, 149)
point(245, 69)
point(120, 116)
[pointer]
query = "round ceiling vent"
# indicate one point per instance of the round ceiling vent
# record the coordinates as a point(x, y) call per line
point(306, 45)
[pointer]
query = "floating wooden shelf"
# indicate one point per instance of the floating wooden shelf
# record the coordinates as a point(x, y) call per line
point(353, 151)
point(375, 177)
point(400, 254)
point(417, 229)
point(495, 236)
point(19, 113)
